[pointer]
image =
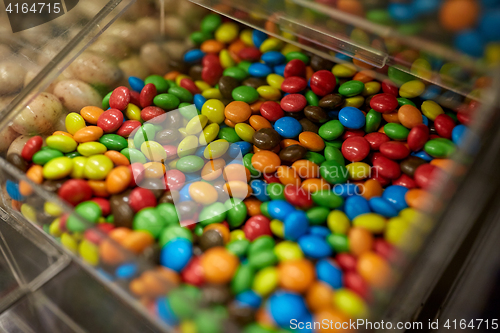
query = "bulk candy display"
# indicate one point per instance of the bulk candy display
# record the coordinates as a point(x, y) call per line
point(263, 183)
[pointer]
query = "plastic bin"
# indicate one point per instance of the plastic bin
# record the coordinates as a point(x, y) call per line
point(296, 22)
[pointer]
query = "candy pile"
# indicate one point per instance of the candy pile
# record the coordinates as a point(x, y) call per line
point(267, 184)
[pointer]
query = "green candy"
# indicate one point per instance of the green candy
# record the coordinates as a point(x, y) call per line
point(328, 199)
point(440, 148)
point(188, 111)
point(405, 101)
point(276, 191)
point(396, 131)
point(173, 232)
point(312, 98)
point(247, 162)
point(373, 120)
point(169, 213)
point(264, 209)
point(257, 328)
point(238, 247)
point(236, 73)
point(73, 154)
point(214, 213)
point(339, 243)
point(236, 212)
point(110, 218)
point(114, 142)
point(134, 155)
point(262, 243)
point(410, 29)
point(149, 220)
point(242, 279)
point(263, 259)
point(297, 55)
point(42, 156)
point(317, 215)
point(105, 101)
point(333, 172)
point(245, 94)
point(316, 158)
point(166, 101)
point(380, 16)
point(88, 210)
point(190, 163)
point(335, 143)
point(198, 230)
point(351, 88)
point(144, 133)
point(229, 134)
point(182, 94)
point(184, 301)
point(198, 37)
point(210, 23)
point(159, 82)
point(334, 154)
point(453, 115)
point(245, 65)
point(209, 321)
point(399, 77)
point(331, 130)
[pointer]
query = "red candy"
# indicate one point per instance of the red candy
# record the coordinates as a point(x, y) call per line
point(376, 139)
point(110, 120)
point(137, 174)
point(389, 87)
point(352, 133)
point(75, 191)
point(104, 204)
point(257, 226)
point(298, 197)
point(355, 149)
point(382, 180)
point(406, 181)
point(271, 178)
point(384, 103)
point(356, 283)
point(294, 84)
point(148, 93)
point(135, 98)
point(119, 99)
point(384, 249)
point(210, 60)
point(272, 111)
point(141, 198)
point(346, 261)
point(394, 150)
point(128, 127)
point(171, 151)
point(211, 74)
point(418, 136)
point(293, 103)
point(250, 53)
point(31, 147)
point(153, 114)
point(295, 67)
point(174, 179)
point(323, 82)
point(93, 236)
point(386, 168)
point(193, 273)
point(444, 125)
point(189, 85)
point(425, 175)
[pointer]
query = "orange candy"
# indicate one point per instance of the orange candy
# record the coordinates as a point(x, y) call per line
point(237, 189)
point(117, 158)
point(212, 46)
point(275, 149)
point(456, 15)
point(253, 206)
point(35, 174)
point(137, 241)
point(288, 142)
point(63, 133)
point(296, 275)
point(255, 107)
point(391, 117)
point(288, 176)
point(360, 241)
point(229, 123)
point(154, 170)
point(172, 75)
point(99, 188)
point(259, 122)
point(319, 296)
point(118, 179)
point(371, 188)
point(219, 265)
point(374, 269)
point(236, 172)
point(220, 228)
point(364, 76)
point(418, 199)
point(109, 251)
point(337, 321)
point(203, 193)
point(235, 48)
point(409, 116)
point(312, 185)
point(266, 161)
point(213, 169)
point(306, 169)
point(91, 114)
point(311, 141)
point(88, 134)
point(351, 6)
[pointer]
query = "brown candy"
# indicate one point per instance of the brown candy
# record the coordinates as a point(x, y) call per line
point(122, 212)
point(254, 82)
point(266, 138)
point(53, 185)
point(169, 197)
point(195, 72)
point(318, 63)
point(331, 101)
point(308, 126)
point(210, 238)
point(214, 294)
point(293, 153)
point(17, 161)
point(315, 114)
point(410, 164)
point(186, 210)
point(241, 314)
point(226, 86)
point(167, 136)
point(156, 185)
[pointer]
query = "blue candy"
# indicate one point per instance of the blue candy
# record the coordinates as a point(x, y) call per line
point(315, 247)
point(352, 117)
point(258, 37)
point(193, 56)
point(280, 209)
point(423, 155)
point(126, 271)
point(135, 83)
point(345, 190)
point(343, 57)
point(192, 177)
point(184, 193)
point(383, 207)
point(199, 100)
point(432, 92)
point(288, 127)
point(356, 205)
point(165, 311)
point(239, 148)
point(259, 70)
point(295, 224)
point(395, 194)
point(401, 12)
point(319, 230)
point(333, 114)
point(280, 69)
point(490, 25)
point(285, 306)
point(273, 58)
point(259, 189)
point(458, 134)
point(423, 7)
point(176, 254)
point(200, 151)
point(328, 272)
point(470, 42)
point(13, 190)
point(425, 120)
point(249, 298)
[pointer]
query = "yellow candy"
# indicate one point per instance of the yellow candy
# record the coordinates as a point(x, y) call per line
point(338, 222)
point(214, 110)
point(225, 59)
point(74, 122)
point(196, 124)
point(153, 151)
point(28, 212)
point(63, 143)
point(227, 32)
point(395, 230)
point(58, 168)
point(216, 149)
point(89, 252)
point(288, 250)
point(265, 281)
point(356, 101)
point(202, 85)
point(237, 235)
point(246, 37)
point(412, 89)
point(275, 80)
point(97, 167)
point(69, 243)
point(209, 134)
point(182, 130)
point(212, 93)
point(277, 228)
point(245, 132)
point(132, 112)
point(271, 44)
point(422, 68)
point(54, 228)
point(492, 53)
point(172, 164)
point(350, 303)
point(188, 327)
point(52, 209)
point(431, 109)
point(290, 48)
point(371, 88)
point(91, 148)
point(372, 222)
point(269, 93)
point(78, 167)
point(203, 193)
point(187, 146)
point(358, 170)
point(344, 70)
point(179, 78)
